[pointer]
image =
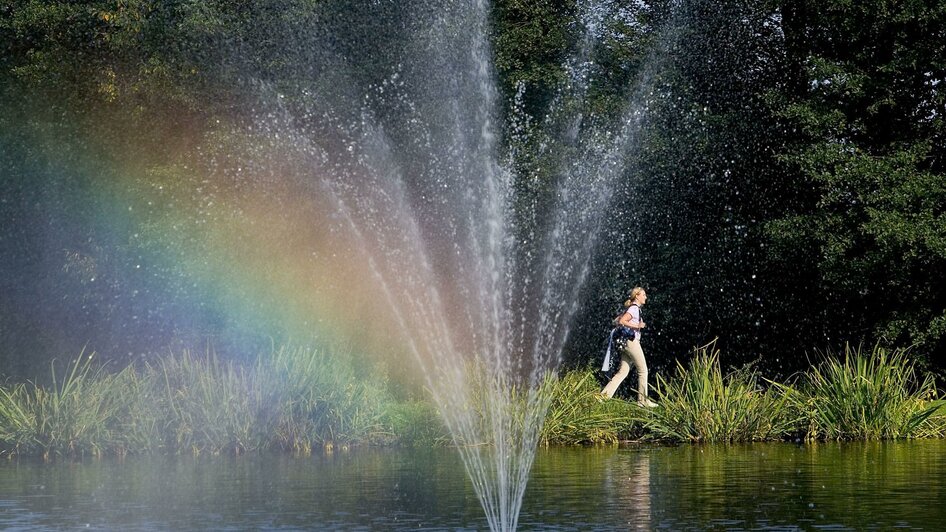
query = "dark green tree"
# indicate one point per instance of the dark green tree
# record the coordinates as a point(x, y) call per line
point(865, 225)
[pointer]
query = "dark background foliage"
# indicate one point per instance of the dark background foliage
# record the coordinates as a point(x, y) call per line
point(787, 194)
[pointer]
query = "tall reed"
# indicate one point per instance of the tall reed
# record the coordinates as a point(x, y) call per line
point(78, 414)
point(415, 424)
point(292, 398)
point(577, 415)
point(934, 426)
point(301, 399)
point(874, 395)
point(206, 404)
point(701, 404)
point(326, 401)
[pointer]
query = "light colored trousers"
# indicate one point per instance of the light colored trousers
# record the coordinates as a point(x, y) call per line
point(632, 352)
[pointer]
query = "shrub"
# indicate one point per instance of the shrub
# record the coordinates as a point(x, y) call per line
point(865, 396)
point(78, 414)
point(577, 414)
point(700, 404)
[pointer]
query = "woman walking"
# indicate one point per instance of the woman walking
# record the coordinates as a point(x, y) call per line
point(632, 352)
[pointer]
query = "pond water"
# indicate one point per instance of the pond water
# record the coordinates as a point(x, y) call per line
point(778, 486)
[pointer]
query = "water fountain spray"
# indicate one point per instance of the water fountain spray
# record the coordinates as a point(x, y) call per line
point(410, 167)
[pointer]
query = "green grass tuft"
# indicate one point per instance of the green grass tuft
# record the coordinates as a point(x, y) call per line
point(867, 396)
point(302, 399)
point(700, 404)
point(78, 414)
point(294, 398)
point(577, 415)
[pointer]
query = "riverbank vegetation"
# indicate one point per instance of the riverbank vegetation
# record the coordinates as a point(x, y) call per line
point(293, 399)
point(302, 400)
point(860, 394)
point(784, 190)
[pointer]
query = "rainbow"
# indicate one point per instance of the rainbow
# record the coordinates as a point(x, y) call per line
point(193, 247)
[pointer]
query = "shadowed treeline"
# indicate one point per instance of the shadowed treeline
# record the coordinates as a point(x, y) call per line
point(788, 176)
point(787, 195)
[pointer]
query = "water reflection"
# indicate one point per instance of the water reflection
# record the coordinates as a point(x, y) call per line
point(845, 486)
point(627, 480)
point(836, 485)
point(584, 489)
point(367, 489)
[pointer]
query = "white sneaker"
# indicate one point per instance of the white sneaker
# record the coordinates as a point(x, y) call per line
point(647, 403)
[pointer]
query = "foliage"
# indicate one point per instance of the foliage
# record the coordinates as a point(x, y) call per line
point(78, 414)
point(530, 45)
point(577, 415)
point(683, 223)
point(935, 425)
point(299, 400)
point(874, 395)
point(416, 424)
point(867, 215)
point(214, 406)
point(323, 401)
point(789, 148)
point(701, 404)
point(296, 399)
point(788, 190)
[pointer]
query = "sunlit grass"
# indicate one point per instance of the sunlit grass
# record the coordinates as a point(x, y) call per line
point(301, 400)
point(563, 409)
point(873, 395)
point(700, 404)
point(325, 402)
point(483, 407)
point(215, 406)
point(935, 425)
point(78, 414)
point(416, 424)
point(577, 415)
point(294, 398)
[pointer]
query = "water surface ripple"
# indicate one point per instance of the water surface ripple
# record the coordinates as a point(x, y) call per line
point(837, 486)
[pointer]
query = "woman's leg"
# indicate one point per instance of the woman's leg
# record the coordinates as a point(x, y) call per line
point(615, 381)
point(636, 354)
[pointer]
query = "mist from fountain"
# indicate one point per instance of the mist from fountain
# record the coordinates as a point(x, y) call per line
point(413, 172)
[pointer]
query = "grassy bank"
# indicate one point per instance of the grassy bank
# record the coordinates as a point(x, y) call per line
point(301, 400)
point(292, 399)
point(855, 395)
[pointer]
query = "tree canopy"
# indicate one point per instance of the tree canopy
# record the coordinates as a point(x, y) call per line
point(788, 189)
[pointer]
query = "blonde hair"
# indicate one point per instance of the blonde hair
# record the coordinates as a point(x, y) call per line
point(634, 293)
